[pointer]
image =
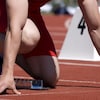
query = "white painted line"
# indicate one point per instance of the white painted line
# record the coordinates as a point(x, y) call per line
point(63, 80)
point(80, 81)
point(56, 33)
point(57, 50)
point(56, 92)
point(58, 41)
point(53, 93)
point(56, 28)
point(79, 64)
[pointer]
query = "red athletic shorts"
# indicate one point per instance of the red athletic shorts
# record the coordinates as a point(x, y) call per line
point(45, 45)
point(3, 18)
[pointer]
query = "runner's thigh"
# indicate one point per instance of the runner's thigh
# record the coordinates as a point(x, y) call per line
point(44, 67)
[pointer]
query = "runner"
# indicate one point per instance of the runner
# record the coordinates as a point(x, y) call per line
point(92, 17)
point(31, 40)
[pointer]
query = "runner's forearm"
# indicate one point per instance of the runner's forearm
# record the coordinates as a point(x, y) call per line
point(12, 44)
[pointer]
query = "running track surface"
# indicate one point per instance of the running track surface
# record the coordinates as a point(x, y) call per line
point(79, 80)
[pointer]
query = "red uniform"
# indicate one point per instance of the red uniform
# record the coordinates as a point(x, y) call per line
point(3, 18)
point(45, 45)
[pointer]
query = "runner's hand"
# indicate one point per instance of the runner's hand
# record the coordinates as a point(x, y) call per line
point(8, 83)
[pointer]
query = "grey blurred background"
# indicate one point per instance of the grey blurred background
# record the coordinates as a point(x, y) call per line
point(60, 7)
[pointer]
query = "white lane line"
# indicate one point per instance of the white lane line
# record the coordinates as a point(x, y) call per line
point(63, 80)
point(79, 64)
point(80, 81)
point(58, 41)
point(56, 33)
point(57, 92)
point(58, 28)
point(53, 93)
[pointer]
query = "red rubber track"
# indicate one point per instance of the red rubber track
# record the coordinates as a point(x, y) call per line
point(79, 80)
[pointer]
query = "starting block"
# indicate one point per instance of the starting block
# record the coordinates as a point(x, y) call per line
point(30, 84)
point(37, 84)
point(77, 44)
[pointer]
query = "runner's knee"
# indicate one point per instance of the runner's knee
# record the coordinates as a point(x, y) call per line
point(51, 82)
point(30, 35)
